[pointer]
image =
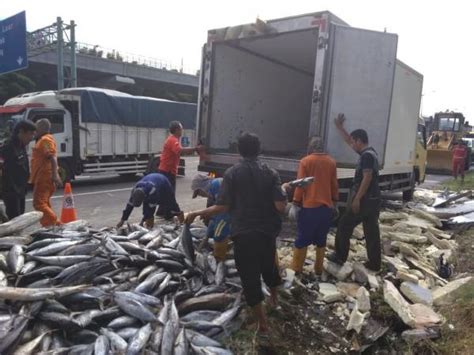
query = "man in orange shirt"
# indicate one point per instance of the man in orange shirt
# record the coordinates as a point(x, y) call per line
point(44, 172)
point(169, 158)
point(315, 203)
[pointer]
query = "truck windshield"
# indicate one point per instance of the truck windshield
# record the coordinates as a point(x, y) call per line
point(448, 124)
point(7, 121)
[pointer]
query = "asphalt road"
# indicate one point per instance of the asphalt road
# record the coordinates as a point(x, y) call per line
point(101, 200)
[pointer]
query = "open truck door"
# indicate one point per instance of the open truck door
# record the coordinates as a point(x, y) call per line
point(360, 85)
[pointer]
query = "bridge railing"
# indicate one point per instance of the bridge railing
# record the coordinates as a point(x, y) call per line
point(112, 54)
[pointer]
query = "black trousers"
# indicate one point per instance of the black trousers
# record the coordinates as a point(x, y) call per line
point(171, 178)
point(14, 204)
point(369, 217)
point(162, 211)
point(254, 255)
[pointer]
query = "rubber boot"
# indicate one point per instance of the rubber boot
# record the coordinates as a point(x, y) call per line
point(318, 263)
point(220, 249)
point(299, 256)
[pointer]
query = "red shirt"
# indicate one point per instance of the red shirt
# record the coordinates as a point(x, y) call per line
point(459, 152)
point(169, 158)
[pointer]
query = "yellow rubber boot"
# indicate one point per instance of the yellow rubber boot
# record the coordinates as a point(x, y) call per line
point(220, 249)
point(318, 263)
point(299, 256)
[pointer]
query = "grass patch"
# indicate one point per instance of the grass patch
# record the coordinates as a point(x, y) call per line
point(456, 185)
point(456, 332)
point(460, 339)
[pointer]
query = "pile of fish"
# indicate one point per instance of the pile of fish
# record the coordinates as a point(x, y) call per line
point(75, 290)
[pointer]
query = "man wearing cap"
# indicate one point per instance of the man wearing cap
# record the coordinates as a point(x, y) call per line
point(152, 190)
point(219, 225)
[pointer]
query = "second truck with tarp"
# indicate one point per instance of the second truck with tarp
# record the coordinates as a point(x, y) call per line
point(102, 131)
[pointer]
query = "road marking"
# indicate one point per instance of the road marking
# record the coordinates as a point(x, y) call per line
point(90, 193)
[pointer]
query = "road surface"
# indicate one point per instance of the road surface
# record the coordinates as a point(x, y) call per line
point(101, 200)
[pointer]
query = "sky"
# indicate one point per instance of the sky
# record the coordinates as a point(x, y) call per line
point(435, 37)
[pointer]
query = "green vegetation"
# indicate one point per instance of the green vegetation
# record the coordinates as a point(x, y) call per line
point(457, 185)
point(13, 84)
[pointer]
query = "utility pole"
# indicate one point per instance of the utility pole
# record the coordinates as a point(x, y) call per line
point(60, 48)
point(57, 38)
point(72, 41)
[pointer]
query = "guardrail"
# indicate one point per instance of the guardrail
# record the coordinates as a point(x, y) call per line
point(112, 54)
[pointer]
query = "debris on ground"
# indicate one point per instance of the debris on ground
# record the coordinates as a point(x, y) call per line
point(418, 240)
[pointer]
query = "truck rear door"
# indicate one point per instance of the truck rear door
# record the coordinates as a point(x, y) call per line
point(362, 67)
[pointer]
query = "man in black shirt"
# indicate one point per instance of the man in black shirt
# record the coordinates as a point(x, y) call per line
point(15, 168)
point(364, 200)
point(252, 194)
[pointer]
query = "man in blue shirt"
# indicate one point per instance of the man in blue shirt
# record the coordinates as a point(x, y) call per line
point(219, 225)
point(151, 191)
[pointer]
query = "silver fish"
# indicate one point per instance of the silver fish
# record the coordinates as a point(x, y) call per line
point(15, 259)
point(139, 340)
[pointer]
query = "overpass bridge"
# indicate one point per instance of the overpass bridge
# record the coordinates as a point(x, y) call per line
point(53, 51)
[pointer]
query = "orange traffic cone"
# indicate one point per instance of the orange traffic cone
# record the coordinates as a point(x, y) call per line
point(68, 212)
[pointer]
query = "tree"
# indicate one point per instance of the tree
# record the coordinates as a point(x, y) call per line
point(14, 84)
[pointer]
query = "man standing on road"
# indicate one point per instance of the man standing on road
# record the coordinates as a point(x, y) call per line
point(364, 201)
point(170, 156)
point(15, 169)
point(172, 150)
point(151, 190)
point(459, 160)
point(251, 192)
point(44, 172)
point(317, 203)
point(219, 225)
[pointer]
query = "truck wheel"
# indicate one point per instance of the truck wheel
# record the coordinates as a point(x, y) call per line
point(64, 173)
point(408, 194)
point(128, 176)
point(152, 167)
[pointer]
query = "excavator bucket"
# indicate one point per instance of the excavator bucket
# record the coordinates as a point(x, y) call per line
point(439, 160)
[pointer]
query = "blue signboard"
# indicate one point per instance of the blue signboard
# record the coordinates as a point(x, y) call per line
point(13, 43)
point(185, 141)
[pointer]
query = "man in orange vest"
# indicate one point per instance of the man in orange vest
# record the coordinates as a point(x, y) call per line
point(44, 172)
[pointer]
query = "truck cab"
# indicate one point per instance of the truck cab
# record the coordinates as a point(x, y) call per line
point(34, 106)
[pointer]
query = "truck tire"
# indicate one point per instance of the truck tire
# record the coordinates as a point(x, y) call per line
point(408, 194)
point(153, 163)
point(467, 163)
point(64, 172)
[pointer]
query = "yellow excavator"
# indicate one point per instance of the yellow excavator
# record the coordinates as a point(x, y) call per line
point(448, 129)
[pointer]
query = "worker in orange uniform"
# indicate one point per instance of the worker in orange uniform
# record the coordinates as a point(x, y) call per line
point(169, 158)
point(314, 205)
point(44, 172)
point(459, 160)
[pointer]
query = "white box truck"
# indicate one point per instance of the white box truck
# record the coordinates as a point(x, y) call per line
point(102, 131)
point(287, 79)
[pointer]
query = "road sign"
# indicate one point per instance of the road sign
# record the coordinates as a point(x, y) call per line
point(185, 141)
point(13, 55)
